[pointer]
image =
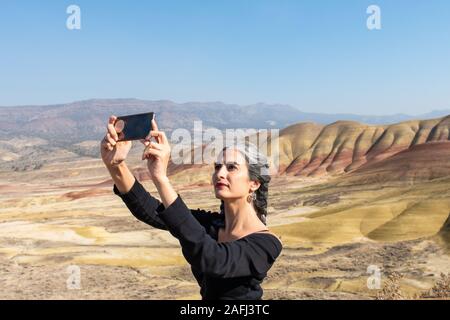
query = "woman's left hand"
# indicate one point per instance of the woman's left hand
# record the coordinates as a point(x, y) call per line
point(157, 153)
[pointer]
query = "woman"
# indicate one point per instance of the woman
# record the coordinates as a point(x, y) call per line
point(229, 252)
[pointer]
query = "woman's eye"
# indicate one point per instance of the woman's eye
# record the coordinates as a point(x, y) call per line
point(217, 167)
point(231, 167)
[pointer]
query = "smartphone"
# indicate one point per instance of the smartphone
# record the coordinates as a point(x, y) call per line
point(134, 127)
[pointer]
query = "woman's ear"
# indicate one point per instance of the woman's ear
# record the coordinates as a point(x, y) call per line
point(254, 185)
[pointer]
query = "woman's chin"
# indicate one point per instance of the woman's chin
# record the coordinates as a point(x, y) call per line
point(220, 194)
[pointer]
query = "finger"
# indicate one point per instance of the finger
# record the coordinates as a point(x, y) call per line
point(155, 128)
point(155, 145)
point(151, 152)
point(111, 130)
point(154, 125)
point(112, 119)
point(144, 142)
point(164, 137)
point(154, 134)
point(160, 135)
point(105, 142)
point(110, 140)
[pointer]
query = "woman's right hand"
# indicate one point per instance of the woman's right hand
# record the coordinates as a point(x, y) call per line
point(113, 152)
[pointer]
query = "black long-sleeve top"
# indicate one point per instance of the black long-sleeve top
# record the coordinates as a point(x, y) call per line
point(230, 270)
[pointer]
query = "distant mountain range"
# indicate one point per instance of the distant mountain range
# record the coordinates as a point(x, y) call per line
point(409, 150)
point(33, 136)
point(86, 120)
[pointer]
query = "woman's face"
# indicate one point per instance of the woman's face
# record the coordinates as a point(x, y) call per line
point(230, 178)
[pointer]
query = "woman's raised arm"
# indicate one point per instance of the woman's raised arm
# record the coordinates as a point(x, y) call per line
point(158, 156)
point(113, 155)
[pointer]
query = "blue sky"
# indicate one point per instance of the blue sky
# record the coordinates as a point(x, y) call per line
point(317, 55)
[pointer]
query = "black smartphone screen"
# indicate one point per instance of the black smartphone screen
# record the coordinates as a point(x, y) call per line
point(134, 127)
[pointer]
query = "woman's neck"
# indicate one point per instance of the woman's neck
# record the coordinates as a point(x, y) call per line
point(241, 218)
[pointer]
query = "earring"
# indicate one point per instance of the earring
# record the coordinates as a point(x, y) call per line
point(251, 197)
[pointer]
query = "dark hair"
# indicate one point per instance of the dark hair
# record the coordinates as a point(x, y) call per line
point(258, 170)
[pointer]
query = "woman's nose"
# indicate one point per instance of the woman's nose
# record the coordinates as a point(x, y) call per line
point(222, 173)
